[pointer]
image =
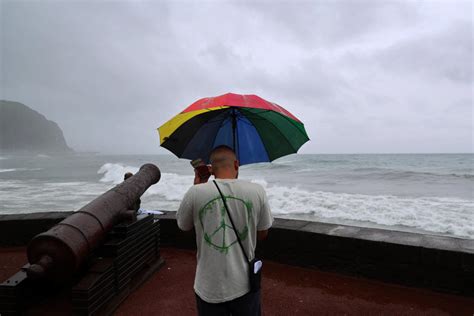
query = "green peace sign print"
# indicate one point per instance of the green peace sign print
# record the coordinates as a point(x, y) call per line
point(216, 224)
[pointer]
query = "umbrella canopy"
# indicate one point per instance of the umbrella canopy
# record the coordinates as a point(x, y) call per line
point(257, 130)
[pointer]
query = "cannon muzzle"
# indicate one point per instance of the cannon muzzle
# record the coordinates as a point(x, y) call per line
point(59, 252)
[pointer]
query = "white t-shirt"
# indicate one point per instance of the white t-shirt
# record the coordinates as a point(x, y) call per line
point(222, 270)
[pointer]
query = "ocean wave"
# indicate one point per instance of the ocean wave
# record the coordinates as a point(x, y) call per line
point(171, 186)
point(8, 170)
point(20, 169)
point(31, 196)
point(114, 172)
point(269, 167)
point(436, 214)
point(452, 216)
point(401, 174)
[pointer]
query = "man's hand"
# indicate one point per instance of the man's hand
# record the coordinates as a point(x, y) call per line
point(197, 176)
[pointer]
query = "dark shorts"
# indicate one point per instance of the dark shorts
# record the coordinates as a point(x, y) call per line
point(246, 305)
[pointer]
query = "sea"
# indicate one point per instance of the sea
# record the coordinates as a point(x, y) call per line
point(428, 193)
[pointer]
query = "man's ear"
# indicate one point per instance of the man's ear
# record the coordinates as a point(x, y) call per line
point(236, 165)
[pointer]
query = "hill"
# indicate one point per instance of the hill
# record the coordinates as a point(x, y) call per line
point(23, 129)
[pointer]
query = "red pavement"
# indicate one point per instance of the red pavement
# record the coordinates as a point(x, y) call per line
point(287, 290)
point(11, 260)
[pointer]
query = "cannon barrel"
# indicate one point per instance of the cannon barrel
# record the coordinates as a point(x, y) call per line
point(59, 252)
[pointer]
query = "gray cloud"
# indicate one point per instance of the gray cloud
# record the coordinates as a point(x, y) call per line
point(445, 54)
point(364, 76)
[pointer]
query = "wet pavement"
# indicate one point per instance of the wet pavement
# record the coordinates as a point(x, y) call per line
point(287, 290)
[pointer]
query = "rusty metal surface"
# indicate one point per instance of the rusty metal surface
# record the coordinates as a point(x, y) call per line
point(69, 243)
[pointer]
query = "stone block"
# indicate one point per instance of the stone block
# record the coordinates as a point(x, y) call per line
point(467, 245)
point(440, 243)
point(289, 224)
point(317, 228)
point(344, 231)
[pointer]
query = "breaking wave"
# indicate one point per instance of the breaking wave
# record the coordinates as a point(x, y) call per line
point(165, 195)
point(114, 172)
point(406, 174)
point(436, 214)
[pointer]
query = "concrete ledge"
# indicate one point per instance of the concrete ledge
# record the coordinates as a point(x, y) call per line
point(437, 262)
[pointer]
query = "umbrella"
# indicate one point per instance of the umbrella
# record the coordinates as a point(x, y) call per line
point(257, 130)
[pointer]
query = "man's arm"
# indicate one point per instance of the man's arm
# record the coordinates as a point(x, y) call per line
point(265, 219)
point(184, 215)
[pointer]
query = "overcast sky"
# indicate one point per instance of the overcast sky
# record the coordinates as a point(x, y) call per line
point(363, 76)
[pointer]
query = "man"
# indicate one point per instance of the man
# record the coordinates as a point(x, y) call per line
point(221, 283)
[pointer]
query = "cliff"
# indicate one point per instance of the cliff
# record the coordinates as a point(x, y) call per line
point(23, 129)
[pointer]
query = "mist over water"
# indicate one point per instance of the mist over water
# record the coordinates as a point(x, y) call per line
point(433, 193)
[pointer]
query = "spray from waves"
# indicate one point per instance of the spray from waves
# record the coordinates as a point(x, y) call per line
point(170, 188)
point(436, 214)
point(114, 172)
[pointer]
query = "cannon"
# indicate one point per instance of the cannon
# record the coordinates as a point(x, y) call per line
point(57, 254)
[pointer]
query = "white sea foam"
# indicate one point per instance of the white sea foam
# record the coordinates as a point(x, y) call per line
point(437, 214)
point(443, 215)
point(20, 169)
point(170, 188)
point(31, 196)
point(8, 170)
point(114, 172)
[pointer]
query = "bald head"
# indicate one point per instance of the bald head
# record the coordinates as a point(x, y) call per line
point(224, 162)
